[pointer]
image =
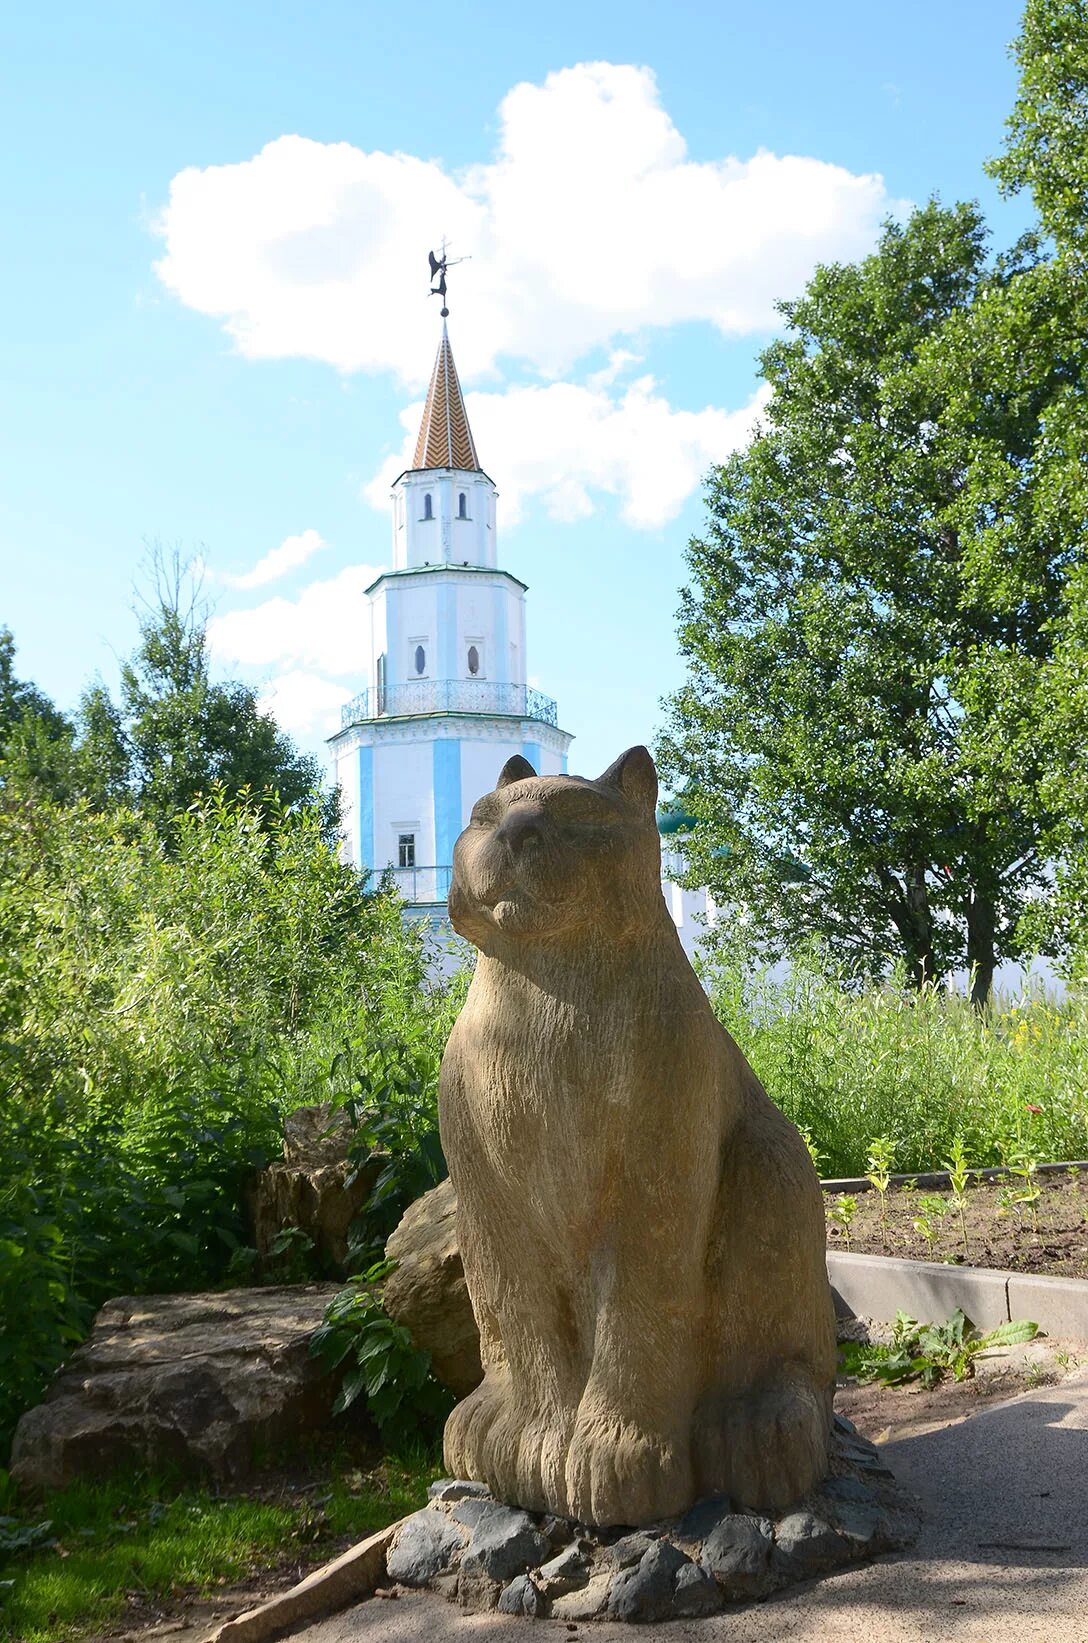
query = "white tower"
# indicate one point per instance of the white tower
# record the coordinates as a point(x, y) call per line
point(447, 701)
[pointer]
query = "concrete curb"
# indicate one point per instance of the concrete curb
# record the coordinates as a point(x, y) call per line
point(349, 1578)
point(877, 1286)
point(937, 1178)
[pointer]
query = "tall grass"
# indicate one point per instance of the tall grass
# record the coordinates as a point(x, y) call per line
point(849, 1064)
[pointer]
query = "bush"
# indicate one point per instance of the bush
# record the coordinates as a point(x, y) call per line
point(848, 1064)
point(160, 1011)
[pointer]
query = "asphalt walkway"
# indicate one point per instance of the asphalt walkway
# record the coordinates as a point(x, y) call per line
point(1002, 1558)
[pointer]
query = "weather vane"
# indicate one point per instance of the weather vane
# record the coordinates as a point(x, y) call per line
point(439, 266)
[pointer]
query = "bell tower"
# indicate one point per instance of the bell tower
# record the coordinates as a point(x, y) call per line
point(446, 702)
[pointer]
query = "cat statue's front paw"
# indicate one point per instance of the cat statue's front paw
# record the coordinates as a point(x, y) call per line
point(478, 1441)
point(618, 1473)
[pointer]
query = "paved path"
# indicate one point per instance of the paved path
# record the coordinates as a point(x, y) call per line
point(1003, 1556)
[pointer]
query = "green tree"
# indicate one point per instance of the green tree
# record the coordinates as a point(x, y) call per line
point(1046, 154)
point(35, 736)
point(176, 734)
point(871, 607)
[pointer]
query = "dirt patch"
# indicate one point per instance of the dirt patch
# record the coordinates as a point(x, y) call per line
point(1052, 1237)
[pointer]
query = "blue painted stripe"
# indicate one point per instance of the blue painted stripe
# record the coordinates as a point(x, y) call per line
point(365, 852)
point(531, 751)
point(447, 799)
point(563, 763)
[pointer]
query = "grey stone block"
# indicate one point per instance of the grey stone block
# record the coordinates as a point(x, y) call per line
point(522, 1597)
point(695, 1593)
point(876, 1286)
point(1057, 1305)
point(454, 1489)
point(562, 1573)
point(505, 1542)
point(738, 1554)
point(806, 1545)
point(645, 1592)
point(427, 1545)
point(704, 1516)
point(630, 1549)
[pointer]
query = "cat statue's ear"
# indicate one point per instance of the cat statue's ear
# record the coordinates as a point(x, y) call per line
point(635, 774)
point(515, 769)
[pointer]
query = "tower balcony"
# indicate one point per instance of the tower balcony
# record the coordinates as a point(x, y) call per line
point(422, 697)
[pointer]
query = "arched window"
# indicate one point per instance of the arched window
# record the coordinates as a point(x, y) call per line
point(462, 505)
point(420, 659)
point(428, 510)
point(473, 660)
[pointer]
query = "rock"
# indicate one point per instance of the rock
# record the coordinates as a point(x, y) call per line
point(704, 1516)
point(807, 1545)
point(454, 1489)
point(472, 1508)
point(522, 1597)
point(695, 1593)
point(645, 1592)
point(310, 1187)
point(629, 1550)
point(848, 1489)
point(505, 1542)
point(426, 1546)
point(426, 1292)
point(198, 1382)
point(564, 1572)
point(587, 1602)
point(738, 1554)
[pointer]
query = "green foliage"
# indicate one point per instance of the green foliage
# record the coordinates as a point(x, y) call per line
point(872, 610)
point(1047, 133)
point(841, 1213)
point(929, 1352)
point(923, 1070)
point(67, 1567)
point(160, 1010)
point(376, 1358)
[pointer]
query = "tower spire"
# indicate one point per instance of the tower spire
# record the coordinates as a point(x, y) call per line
point(445, 438)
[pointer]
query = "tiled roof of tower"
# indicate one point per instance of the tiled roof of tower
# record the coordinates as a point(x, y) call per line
point(445, 438)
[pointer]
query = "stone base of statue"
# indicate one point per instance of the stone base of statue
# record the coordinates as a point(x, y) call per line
point(484, 1555)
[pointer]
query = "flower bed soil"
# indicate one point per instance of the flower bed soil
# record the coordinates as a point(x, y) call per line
point(999, 1234)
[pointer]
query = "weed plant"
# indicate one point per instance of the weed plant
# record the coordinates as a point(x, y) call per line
point(920, 1070)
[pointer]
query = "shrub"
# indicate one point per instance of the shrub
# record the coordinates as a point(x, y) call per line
point(160, 1011)
point(921, 1070)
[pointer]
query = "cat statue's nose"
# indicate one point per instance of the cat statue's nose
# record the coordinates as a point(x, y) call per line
point(522, 825)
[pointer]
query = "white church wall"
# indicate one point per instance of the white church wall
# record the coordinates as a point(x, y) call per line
point(403, 774)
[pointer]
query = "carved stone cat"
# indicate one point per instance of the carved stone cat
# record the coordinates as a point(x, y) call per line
point(642, 1230)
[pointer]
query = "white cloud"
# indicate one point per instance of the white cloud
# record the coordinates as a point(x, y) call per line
point(304, 704)
point(292, 552)
point(563, 442)
point(590, 223)
point(325, 630)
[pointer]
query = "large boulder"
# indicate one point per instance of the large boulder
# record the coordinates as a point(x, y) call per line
point(201, 1382)
point(313, 1186)
point(426, 1291)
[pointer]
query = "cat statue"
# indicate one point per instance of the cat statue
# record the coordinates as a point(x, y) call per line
point(642, 1230)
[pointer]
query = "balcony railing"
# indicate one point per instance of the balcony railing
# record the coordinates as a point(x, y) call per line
point(423, 696)
point(420, 884)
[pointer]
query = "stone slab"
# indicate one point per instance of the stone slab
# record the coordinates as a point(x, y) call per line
point(1058, 1305)
point(350, 1578)
point(877, 1286)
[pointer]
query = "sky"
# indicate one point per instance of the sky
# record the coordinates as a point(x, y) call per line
point(215, 332)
